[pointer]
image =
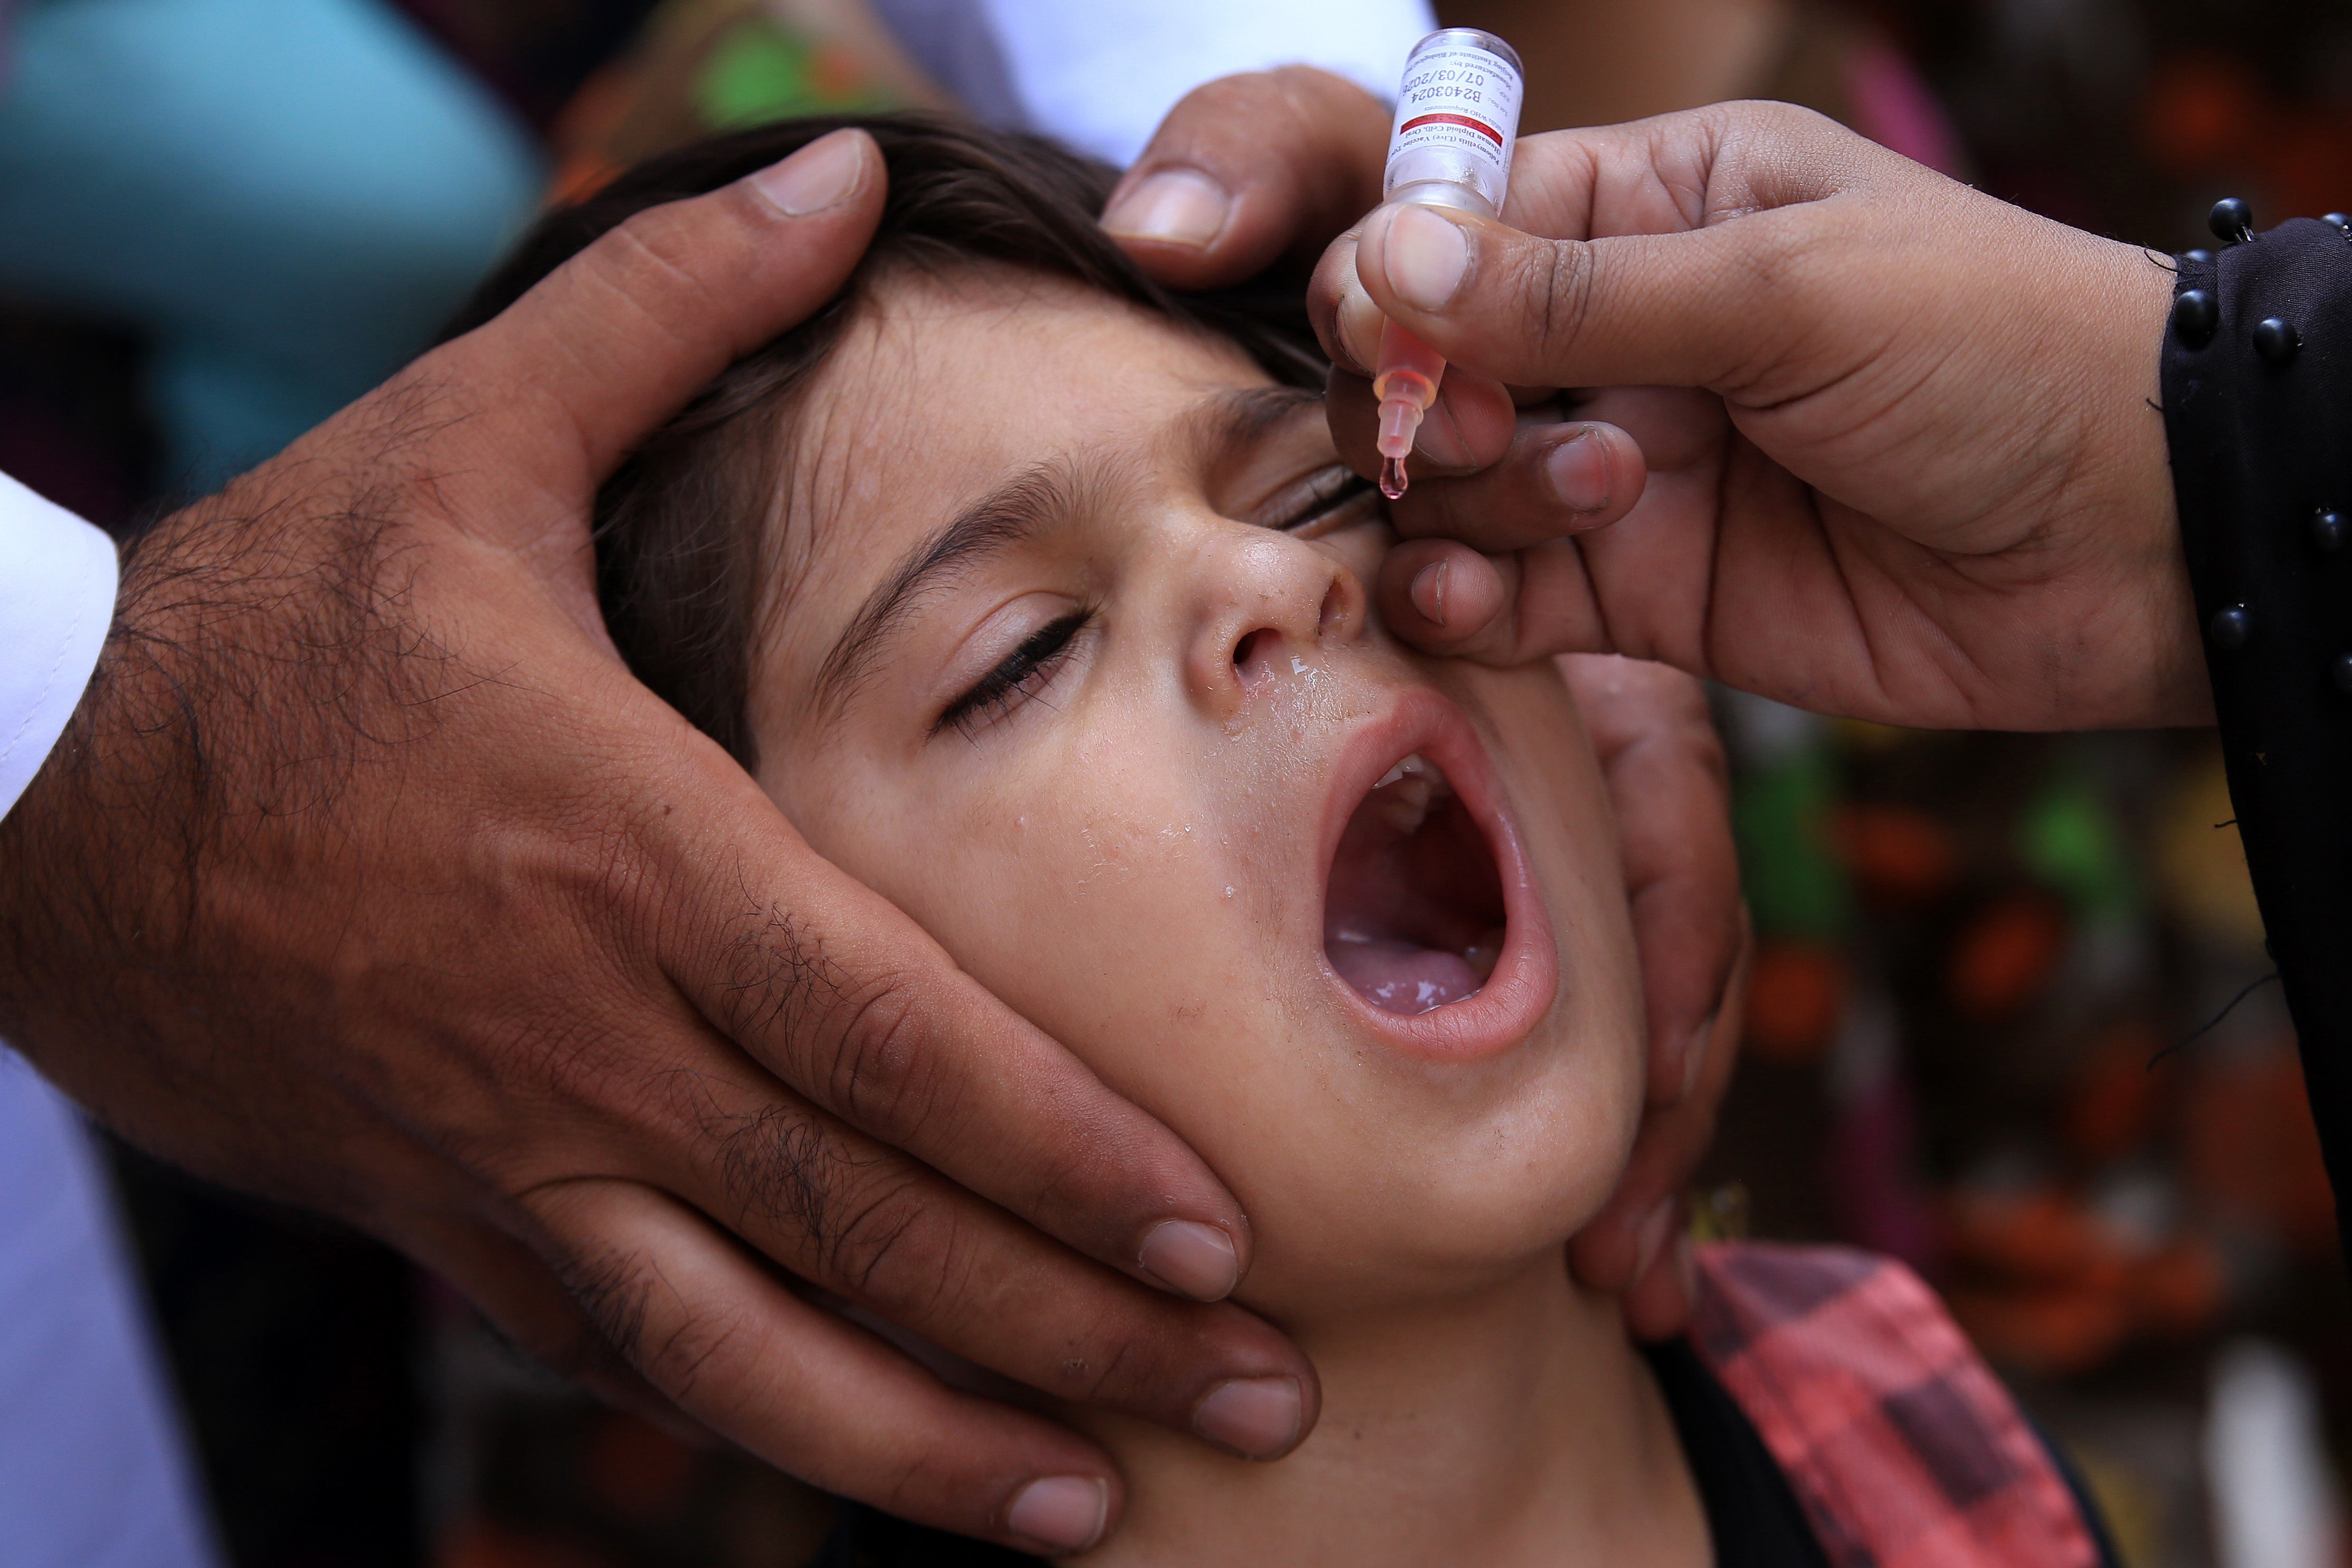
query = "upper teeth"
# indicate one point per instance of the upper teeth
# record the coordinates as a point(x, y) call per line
point(1406, 792)
point(1415, 765)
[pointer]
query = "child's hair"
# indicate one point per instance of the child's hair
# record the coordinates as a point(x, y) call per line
point(678, 527)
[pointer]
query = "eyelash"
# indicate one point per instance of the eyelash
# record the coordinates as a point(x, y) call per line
point(1021, 675)
point(1321, 503)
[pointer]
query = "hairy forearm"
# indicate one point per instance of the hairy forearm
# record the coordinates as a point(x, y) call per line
point(169, 869)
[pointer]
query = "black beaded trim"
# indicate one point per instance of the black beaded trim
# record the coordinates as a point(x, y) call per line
point(2257, 372)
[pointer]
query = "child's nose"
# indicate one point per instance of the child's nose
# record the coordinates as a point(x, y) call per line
point(1276, 603)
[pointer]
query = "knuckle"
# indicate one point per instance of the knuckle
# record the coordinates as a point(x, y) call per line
point(854, 1029)
point(1113, 1375)
point(865, 1220)
point(781, 1166)
point(675, 1359)
point(659, 262)
point(616, 1297)
point(894, 1241)
point(1558, 292)
point(1313, 96)
point(1228, 100)
point(880, 1071)
point(854, 1040)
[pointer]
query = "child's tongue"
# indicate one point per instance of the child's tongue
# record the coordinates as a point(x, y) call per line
point(1402, 976)
point(1413, 916)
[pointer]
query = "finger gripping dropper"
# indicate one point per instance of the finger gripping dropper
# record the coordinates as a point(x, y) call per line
point(1457, 118)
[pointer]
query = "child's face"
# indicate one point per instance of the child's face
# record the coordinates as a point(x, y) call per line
point(1074, 665)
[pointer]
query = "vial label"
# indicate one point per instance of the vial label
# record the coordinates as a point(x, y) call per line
point(1457, 118)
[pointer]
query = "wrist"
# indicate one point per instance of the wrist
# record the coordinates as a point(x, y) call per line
point(2125, 634)
point(2161, 681)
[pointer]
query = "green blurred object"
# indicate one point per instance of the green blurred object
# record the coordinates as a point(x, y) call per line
point(2070, 841)
point(1780, 816)
point(760, 72)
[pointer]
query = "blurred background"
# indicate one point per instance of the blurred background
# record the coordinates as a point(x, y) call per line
point(2012, 1018)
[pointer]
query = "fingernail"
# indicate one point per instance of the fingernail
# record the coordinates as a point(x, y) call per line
point(1257, 1417)
point(1177, 206)
point(825, 173)
point(1578, 471)
point(1197, 1260)
point(1425, 257)
point(1440, 439)
point(1063, 1512)
point(1649, 1237)
point(1428, 592)
point(1360, 329)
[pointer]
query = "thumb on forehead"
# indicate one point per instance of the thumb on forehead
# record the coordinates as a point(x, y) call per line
point(612, 342)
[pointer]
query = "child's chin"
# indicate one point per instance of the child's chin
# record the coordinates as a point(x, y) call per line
point(1343, 1259)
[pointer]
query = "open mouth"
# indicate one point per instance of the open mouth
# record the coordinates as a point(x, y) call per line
point(1415, 915)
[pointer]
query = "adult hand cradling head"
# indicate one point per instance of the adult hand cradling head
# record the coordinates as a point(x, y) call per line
point(367, 877)
point(1903, 457)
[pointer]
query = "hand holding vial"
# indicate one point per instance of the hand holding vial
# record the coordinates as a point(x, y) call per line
point(1457, 119)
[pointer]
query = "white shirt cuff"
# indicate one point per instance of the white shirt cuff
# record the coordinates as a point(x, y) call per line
point(57, 599)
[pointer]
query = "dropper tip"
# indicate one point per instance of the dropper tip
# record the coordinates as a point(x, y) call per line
point(1400, 419)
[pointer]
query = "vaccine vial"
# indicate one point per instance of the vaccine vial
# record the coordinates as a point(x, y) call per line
point(1457, 121)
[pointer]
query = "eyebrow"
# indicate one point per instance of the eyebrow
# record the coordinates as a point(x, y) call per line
point(1045, 498)
point(1247, 415)
point(1012, 514)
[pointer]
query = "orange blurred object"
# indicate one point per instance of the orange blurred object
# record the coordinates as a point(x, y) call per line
point(2202, 111)
point(2208, 116)
point(2044, 1285)
point(2053, 1331)
point(1899, 856)
point(2041, 1235)
point(2251, 1145)
point(1796, 997)
point(2113, 1108)
point(2005, 955)
point(2305, 164)
point(2178, 1292)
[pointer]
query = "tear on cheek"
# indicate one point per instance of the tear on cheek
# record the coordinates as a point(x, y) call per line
point(1414, 916)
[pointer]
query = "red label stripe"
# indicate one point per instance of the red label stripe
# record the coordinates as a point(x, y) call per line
point(1480, 126)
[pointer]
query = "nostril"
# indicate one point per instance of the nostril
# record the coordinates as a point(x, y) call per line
point(1334, 610)
point(1252, 655)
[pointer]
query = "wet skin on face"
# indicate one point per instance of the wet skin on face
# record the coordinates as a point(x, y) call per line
point(1067, 654)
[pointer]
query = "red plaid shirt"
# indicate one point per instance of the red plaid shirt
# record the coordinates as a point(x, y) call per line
point(1902, 1446)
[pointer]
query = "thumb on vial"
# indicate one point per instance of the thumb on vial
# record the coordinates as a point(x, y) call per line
point(1416, 254)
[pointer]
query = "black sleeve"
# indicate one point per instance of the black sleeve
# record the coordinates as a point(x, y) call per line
point(2258, 412)
point(1752, 1515)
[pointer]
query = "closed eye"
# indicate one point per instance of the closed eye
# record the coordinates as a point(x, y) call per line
point(1328, 498)
point(1023, 674)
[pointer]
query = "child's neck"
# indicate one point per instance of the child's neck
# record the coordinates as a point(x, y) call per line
point(1515, 1425)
